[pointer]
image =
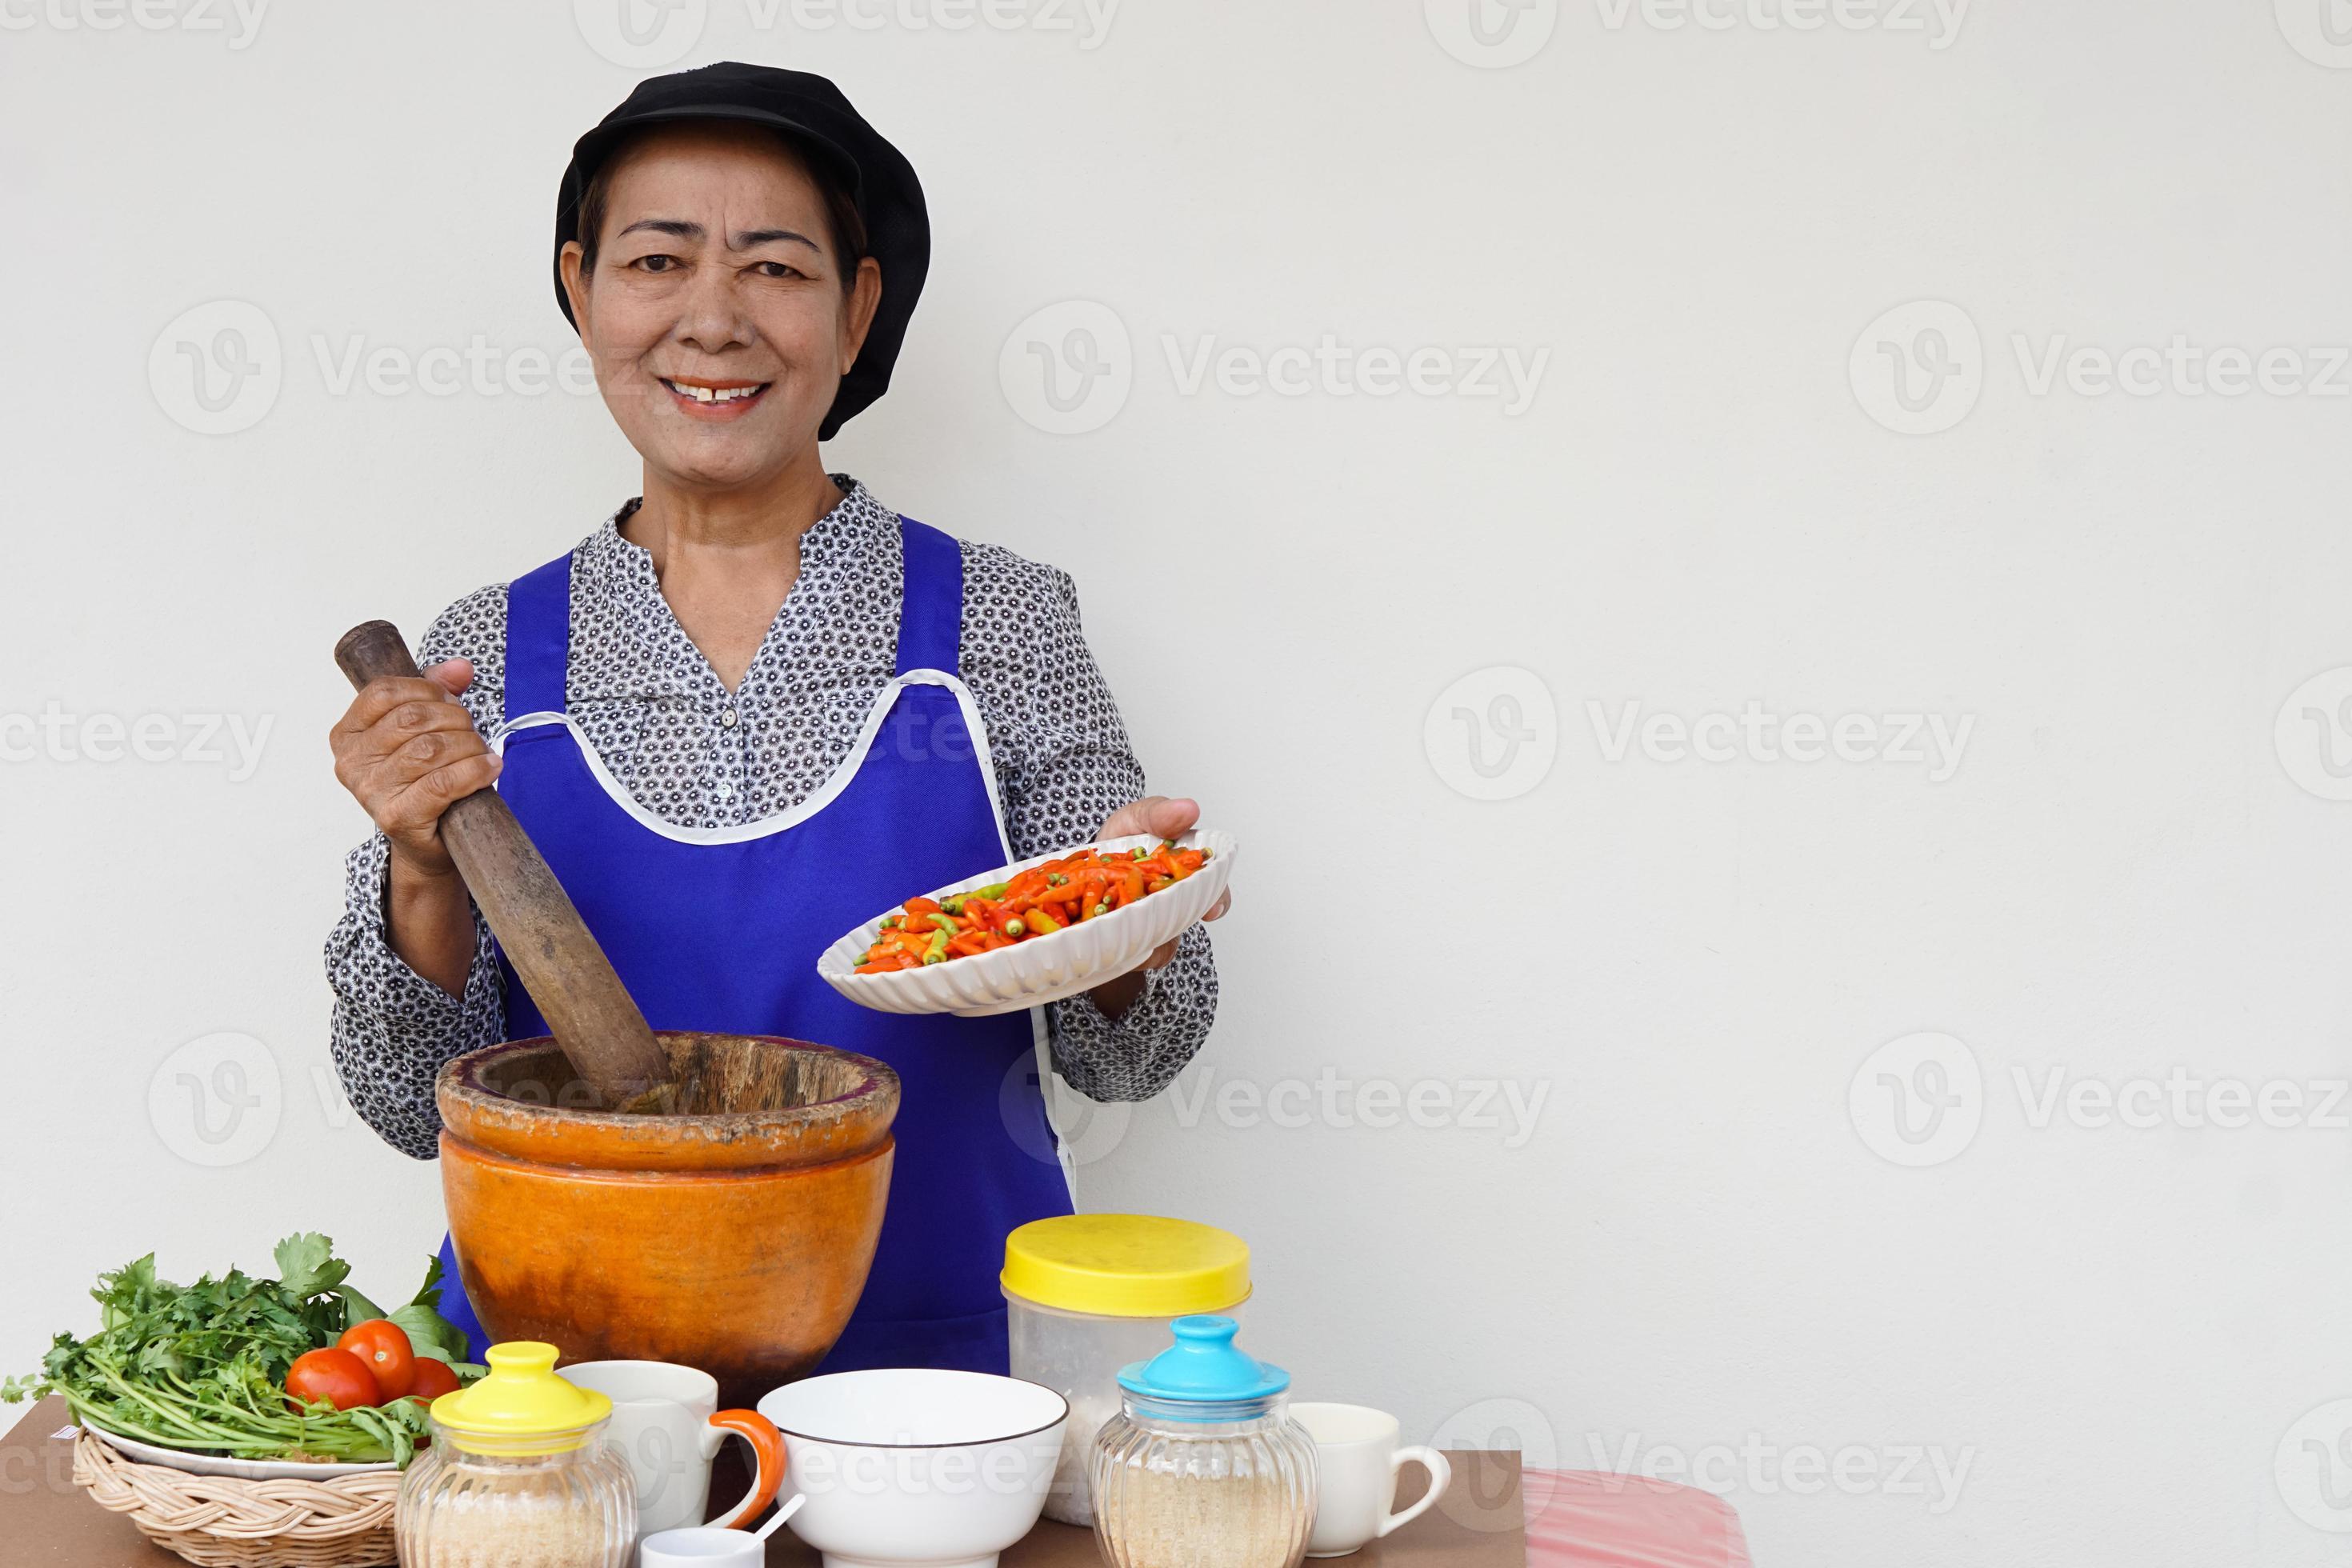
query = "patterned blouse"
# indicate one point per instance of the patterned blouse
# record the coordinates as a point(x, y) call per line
point(699, 756)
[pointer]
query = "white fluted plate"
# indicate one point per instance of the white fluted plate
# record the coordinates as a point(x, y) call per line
point(1043, 969)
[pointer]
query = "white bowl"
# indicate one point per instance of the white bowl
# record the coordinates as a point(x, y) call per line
point(1043, 969)
point(911, 1464)
point(222, 1464)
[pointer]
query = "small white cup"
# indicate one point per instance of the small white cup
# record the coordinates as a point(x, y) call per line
point(711, 1545)
point(1356, 1463)
point(704, 1546)
point(667, 1423)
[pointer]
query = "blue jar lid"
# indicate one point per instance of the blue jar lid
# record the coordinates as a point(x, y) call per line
point(1203, 1367)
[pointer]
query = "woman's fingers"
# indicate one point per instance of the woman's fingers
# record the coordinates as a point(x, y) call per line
point(424, 799)
point(1162, 957)
point(380, 697)
point(1217, 910)
point(1162, 816)
point(1172, 819)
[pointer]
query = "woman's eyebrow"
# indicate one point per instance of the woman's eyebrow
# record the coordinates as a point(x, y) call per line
point(745, 238)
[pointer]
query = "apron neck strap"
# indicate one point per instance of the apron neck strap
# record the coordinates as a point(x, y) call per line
point(539, 638)
point(930, 606)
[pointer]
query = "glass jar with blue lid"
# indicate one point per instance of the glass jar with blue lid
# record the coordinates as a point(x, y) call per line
point(1202, 1464)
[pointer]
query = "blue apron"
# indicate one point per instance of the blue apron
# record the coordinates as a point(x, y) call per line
point(720, 929)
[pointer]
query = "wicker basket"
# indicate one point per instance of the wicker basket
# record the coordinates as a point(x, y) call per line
point(224, 1522)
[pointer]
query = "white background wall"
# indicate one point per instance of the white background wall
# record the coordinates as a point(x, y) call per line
point(1703, 1250)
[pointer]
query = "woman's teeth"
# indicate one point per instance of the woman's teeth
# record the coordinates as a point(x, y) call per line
point(714, 394)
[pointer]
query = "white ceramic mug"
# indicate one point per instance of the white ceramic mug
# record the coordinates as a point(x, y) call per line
point(667, 1423)
point(1356, 1463)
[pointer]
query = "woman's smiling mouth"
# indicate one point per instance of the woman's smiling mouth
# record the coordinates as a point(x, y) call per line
point(714, 399)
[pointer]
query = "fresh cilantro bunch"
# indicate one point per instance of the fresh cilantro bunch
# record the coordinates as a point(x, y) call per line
point(203, 1367)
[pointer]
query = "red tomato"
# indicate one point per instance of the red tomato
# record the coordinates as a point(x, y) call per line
point(383, 1345)
point(335, 1377)
point(434, 1379)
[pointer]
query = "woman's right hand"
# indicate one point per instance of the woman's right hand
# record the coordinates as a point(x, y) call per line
point(407, 750)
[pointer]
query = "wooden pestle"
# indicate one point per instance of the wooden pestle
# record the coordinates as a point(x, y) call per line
point(587, 1008)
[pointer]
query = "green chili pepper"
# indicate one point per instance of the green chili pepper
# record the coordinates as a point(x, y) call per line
point(994, 890)
point(1142, 853)
point(947, 925)
point(938, 951)
point(1015, 926)
point(953, 903)
point(889, 922)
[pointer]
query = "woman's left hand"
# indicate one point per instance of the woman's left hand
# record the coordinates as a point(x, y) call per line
point(1163, 817)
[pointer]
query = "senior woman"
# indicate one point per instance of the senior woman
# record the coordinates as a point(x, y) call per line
point(755, 704)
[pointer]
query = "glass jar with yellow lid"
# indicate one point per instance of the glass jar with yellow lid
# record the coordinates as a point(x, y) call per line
point(1087, 1294)
point(518, 1475)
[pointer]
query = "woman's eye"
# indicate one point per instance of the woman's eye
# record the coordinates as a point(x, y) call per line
point(776, 270)
point(655, 263)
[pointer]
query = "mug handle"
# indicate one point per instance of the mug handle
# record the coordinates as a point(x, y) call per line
point(768, 1455)
point(1441, 1475)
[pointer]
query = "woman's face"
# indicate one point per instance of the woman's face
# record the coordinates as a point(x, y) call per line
point(717, 316)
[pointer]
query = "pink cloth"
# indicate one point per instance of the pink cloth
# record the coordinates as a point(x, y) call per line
point(1587, 1518)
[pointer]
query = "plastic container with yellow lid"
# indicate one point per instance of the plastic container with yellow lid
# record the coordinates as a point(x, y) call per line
point(518, 1475)
point(1086, 1294)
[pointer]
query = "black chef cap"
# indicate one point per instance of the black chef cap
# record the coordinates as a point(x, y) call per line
point(813, 112)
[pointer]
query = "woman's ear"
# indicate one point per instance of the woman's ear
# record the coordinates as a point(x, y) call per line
point(858, 310)
point(575, 286)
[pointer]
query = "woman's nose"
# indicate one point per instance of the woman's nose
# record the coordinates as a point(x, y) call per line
point(711, 318)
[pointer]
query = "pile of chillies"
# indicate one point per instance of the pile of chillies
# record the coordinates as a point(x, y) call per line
point(1038, 902)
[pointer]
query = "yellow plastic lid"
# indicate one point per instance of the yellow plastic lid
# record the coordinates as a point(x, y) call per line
point(522, 1399)
point(1126, 1265)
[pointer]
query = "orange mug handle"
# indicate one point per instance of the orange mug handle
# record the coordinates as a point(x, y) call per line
point(767, 1449)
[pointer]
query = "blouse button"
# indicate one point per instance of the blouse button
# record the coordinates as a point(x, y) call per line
point(728, 718)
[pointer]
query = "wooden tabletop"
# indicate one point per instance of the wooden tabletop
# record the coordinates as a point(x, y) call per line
point(46, 1520)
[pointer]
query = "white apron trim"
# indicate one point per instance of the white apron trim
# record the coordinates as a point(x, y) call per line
point(826, 796)
point(825, 793)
